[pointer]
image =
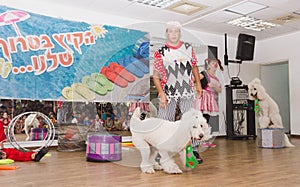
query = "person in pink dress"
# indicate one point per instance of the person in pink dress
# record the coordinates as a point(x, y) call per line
point(208, 103)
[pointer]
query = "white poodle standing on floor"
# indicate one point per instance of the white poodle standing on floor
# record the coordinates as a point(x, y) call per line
point(154, 135)
point(269, 116)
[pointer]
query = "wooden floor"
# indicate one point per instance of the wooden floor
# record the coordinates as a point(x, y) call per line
point(234, 163)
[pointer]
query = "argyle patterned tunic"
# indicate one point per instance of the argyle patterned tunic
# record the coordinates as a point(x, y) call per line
point(175, 66)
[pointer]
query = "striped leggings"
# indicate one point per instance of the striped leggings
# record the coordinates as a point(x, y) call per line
point(168, 113)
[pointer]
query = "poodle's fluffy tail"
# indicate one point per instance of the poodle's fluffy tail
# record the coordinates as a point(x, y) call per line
point(287, 141)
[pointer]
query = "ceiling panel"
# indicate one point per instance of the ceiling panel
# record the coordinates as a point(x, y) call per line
point(268, 13)
point(290, 6)
point(221, 17)
point(213, 3)
point(146, 13)
point(109, 6)
point(295, 25)
point(273, 3)
point(281, 30)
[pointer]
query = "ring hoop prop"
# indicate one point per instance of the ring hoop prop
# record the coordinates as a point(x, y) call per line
point(47, 140)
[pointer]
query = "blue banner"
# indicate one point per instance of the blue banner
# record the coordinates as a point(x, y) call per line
point(44, 58)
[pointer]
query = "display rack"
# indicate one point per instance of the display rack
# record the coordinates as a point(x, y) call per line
point(240, 116)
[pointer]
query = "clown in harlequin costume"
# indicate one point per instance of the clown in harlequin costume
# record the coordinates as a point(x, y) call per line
point(174, 74)
point(175, 69)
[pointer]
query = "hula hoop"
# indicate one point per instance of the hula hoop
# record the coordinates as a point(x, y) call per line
point(48, 140)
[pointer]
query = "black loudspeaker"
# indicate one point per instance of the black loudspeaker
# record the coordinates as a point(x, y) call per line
point(245, 47)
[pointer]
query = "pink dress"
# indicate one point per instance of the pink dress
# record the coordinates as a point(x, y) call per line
point(143, 106)
point(208, 103)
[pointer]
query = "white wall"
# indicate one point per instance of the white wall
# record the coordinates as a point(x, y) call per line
point(285, 48)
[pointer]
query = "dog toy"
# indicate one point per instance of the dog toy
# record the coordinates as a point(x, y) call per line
point(6, 161)
point(191, 160)
point(256, 106)
point(8, 167)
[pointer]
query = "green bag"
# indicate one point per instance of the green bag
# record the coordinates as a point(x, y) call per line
point(191, 160)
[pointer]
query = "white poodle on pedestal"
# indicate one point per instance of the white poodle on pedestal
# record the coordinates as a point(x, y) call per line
point(269, 116)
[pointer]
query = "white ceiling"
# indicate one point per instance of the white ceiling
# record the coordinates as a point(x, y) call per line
point(212, 19)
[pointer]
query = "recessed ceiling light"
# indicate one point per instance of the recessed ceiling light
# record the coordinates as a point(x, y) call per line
point(186, 7)
point(156, 3)
point(246, 8)
point(252, 23)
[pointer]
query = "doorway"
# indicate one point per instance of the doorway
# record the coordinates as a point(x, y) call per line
point(275, 78)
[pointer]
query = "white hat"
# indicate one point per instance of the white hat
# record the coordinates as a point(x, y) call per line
point(173, 24)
